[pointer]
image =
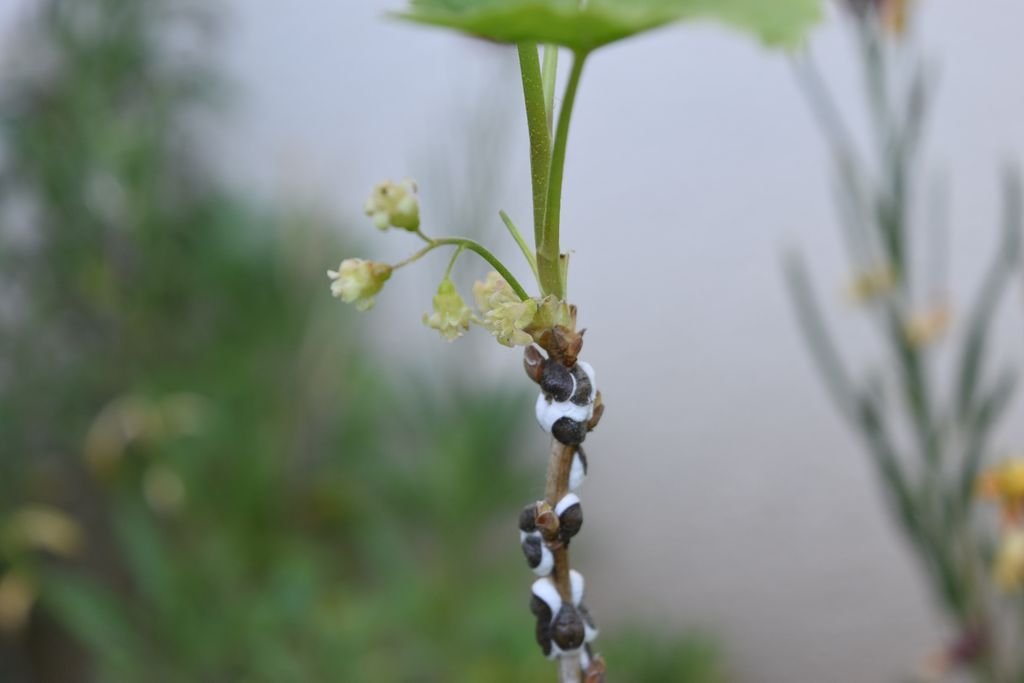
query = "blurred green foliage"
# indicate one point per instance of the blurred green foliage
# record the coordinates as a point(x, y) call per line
point(260, 499)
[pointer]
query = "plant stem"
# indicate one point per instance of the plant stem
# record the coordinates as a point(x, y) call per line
point(556, 487)
point(466, 243)
point(518, 237)
point(540, 136)
point(451, 263)
point(548, 248)
point(549, 75)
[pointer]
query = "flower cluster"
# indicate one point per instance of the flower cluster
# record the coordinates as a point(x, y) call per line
point(451, 315)
point(502, 312)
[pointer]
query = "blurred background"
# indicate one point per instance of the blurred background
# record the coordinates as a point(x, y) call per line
point(210, 470)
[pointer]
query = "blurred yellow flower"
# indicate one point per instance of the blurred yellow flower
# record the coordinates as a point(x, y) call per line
point(1004, 483)
point(869, 285)
point(42, 527)
point(357, 281)
point(163, 489)
point(926, 327)
point(17, 595)
point(896, 16)
point(1009, 566)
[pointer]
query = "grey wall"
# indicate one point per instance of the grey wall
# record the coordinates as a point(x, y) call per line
point(725, 493)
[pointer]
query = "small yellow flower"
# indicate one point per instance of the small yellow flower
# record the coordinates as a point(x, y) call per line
point(163, 489)
point(42, 527)
point(17, 595)
point(1009, 567)
point(451, 315)
point(394, 205)
point(504, 314)
point(896, 16)
point(357, 281)
point(870, 285)
point(1004, 483)
point(928, 326)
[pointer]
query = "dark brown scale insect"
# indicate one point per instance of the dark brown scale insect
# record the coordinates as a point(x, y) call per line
point(570, 522)
point(533, 549)
point(556, 381)
point(528, 518)
point(567, 630)
point(540, 609)
point(569, 431)
point(584, 388)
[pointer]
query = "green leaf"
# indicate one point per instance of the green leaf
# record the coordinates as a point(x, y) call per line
point(584, 26)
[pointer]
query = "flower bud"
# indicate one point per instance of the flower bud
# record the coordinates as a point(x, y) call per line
point(357, 281)
point(394, 205)
point(451, 314)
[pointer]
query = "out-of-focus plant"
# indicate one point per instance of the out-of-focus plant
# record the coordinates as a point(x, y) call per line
point(539, 315)
point(927, 441)
point(202, 479)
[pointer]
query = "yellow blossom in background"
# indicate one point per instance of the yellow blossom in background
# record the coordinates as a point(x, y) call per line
point(896, 16)
point(394, 205)
point(869, 285)
point(17, 595)
point(163, 489)
point(1009, 566)
point(41, 527)
point(503, 314)
point(1004, 483)
point(357, 281)
point(451, 315)
point(928, 326)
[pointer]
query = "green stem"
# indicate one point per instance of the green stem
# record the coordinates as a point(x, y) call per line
point(540, 136)
point(548, 249)
point(549, 74)
point(518, 237)
point(466, 243)
point(451, 263)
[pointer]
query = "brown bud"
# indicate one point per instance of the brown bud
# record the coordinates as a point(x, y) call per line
point(533, 363)
point(547, 522)
point(595, 672)
point(562, 344)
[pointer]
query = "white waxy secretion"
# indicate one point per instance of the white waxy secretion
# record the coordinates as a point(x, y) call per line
point(567, 502)
point(577, 473)
point(577, 584)
point(546, 590)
